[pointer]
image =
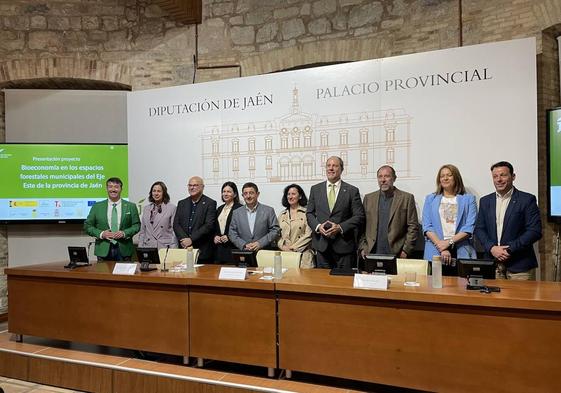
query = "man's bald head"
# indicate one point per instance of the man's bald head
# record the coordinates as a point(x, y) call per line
point(196, 187)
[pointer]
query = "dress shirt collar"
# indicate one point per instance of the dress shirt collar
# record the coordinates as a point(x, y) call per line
point(251, 210)
point(505, 196)
point(337, 184)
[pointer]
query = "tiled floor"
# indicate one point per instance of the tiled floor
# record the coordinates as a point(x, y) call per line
point(16, 386)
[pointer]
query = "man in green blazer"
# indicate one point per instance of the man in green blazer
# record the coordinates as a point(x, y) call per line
point(113, 222)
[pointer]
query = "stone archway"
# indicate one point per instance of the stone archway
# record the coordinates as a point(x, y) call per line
point(36, 73)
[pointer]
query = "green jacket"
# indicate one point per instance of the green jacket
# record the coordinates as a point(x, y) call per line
point(97, 223)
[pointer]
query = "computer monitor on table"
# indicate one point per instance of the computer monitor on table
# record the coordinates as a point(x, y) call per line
point(146, 257)
point(476, 271)
point(78, 257)
point(244, 258)
point(380, 264)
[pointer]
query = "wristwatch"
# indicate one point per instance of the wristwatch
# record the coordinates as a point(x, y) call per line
point(451, 243)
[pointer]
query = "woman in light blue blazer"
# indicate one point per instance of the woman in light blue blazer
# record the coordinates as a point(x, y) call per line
point(449, 218)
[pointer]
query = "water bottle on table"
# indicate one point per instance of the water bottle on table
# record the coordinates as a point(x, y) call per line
point(436, 272)
point(277, 265)
point(190, 265)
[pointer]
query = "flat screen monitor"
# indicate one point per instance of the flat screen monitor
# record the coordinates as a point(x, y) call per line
point(244, 258)
point(554, 164)
point(484, 268)
point(57, 182)
point(147, 257)
point(381, 263)
point(78, 256)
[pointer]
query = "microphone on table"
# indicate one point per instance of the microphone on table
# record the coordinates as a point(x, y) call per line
point(88, 249)
point(163, 269)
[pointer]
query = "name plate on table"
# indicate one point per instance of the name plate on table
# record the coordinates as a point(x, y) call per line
point(232, 273)
point(126, 269)
point(371, 281)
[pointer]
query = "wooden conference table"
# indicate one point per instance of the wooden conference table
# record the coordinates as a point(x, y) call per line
point(447, 339)
point(174, 313)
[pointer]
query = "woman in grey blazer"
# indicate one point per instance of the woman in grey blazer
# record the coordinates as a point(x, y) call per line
point(156, 225)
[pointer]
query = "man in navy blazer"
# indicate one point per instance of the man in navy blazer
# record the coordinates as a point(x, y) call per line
point(508, 225)
point(253, 226)
point(195, 219)
point(336, 216)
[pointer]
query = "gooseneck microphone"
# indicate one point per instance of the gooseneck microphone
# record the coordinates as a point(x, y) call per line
point(164, 269)
point(88, 249)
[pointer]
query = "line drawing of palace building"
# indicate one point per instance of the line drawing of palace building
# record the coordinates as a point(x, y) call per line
point(296, 146)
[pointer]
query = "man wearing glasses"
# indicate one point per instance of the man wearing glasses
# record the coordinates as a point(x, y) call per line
point(195, 220)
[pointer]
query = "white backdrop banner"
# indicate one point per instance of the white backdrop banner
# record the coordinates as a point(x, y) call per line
point(469, 106)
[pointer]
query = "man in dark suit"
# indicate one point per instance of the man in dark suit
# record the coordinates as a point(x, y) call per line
point(336, 216)
point(254, 226)
point(392, 226)
point(113, 222)
point(195, 219)
point(508, 225)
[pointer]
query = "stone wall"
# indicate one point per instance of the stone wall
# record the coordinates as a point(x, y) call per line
point(134, 43)
point(135, 34)
point(255, 35)
point(235, 30)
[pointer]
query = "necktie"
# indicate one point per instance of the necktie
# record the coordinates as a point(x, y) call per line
point(331, 197)
point(114, 219)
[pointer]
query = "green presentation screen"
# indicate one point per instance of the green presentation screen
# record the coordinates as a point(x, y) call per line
point(554, 163)
point(57, 182)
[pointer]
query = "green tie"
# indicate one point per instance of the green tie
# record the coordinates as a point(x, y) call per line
point(114, 219)
point(331, 197)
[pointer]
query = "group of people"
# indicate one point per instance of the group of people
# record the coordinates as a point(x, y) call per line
point(333, 226)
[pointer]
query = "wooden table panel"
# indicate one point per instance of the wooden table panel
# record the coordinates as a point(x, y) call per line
point(142, 314)
point(233, 326)
point(233, 321)
point(433, 346)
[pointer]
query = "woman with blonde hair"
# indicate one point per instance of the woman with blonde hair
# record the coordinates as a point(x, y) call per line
point(449, 216)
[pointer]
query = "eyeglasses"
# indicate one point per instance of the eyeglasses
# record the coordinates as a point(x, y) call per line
point(193, 185)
